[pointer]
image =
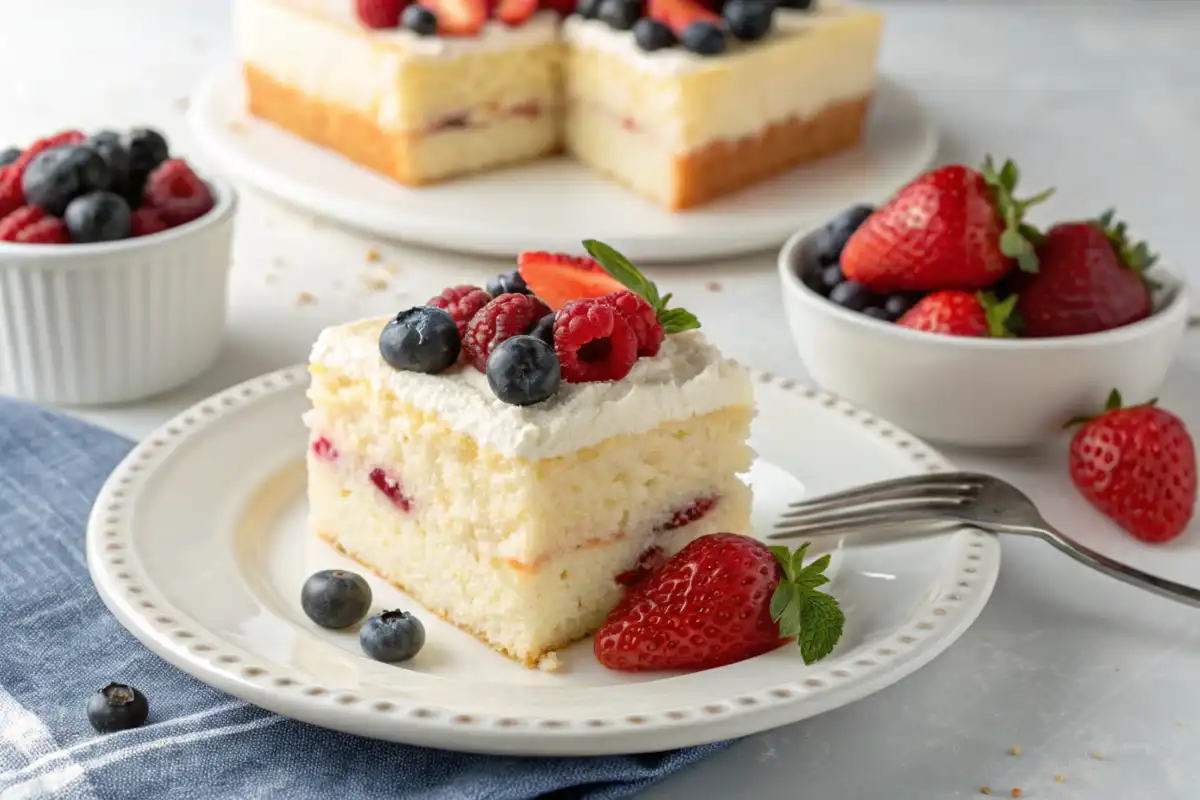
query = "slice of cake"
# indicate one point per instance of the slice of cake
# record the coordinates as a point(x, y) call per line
point(682, 110)
point(440, 96)
point(520, 501)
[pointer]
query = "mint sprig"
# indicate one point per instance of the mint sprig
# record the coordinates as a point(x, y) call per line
point(673, 320)
point(813, 617)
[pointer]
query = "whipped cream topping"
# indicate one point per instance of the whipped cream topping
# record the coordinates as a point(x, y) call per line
point(688, 378)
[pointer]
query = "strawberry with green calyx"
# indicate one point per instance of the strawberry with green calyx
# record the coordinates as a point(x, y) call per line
point(957, 313)
point(674, 320)
point(1137, 465)
point(814, 618)
point(1091, 279)
point(952, 228)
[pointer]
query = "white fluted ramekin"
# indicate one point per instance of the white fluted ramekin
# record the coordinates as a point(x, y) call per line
point(113, 322)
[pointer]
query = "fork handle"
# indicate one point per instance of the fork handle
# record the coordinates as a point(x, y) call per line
point(1115, 569)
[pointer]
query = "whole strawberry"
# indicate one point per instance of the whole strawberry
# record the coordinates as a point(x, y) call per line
point(723, 598)
point(952, 228)
point(1090, 279)
point(1137, 465)
point(956, 313)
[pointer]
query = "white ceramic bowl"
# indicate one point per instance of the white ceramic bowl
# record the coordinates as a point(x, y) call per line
point(977, 392)
point(89, 324)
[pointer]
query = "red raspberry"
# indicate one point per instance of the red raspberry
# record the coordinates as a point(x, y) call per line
point(147, 221)
point(48, 230)
point(462, 303)
point(506, 316)
point(17, 221)
point(379, 13)
point(641, 317)
point(11, 195)
point(42, 145)
point(176, 193)
point(593, 342)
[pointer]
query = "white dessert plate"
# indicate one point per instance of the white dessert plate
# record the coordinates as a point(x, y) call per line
point(198, 545)
point(556, 203)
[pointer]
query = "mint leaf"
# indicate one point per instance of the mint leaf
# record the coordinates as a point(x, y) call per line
point(784, 556)
point(813, 576)
point(783, 595)
point(677, 320)
point(821, 624)
point(674, 320)
point(798, 562)
point(790, 620)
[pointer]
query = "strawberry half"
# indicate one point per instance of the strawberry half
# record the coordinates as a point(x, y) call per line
point(678, 14)
point(379, 14)
point(721, 599)
point(1137, 465)
point(952, 228)
point(1091, 279)
point(515, 12)
point(557, 278)
point(956, 313)
point(458, 17)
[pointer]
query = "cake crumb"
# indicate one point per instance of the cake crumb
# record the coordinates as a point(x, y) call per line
point(306, 299)
point(1015, 793)
point(391, 269)
point(985, 790)
point(1096, 756)
point(713, 286)
point(374, 284)
point(1014, 751)
point(1058, 778)
point(550, 662)
point(373, 256)
point(277, 262)
point(270, 277)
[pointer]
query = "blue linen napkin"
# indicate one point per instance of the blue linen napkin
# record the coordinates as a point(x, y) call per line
point(59, 644)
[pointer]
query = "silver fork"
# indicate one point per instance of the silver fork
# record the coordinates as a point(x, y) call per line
point(923, 504)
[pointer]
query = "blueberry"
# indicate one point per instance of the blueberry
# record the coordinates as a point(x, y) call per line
point(57, 176)
point(619, 14)
point(523, 370)
point(897, 304)
point(98, 217)
point(651, 35)
point(392, 636)
point(507, 283)
point(877, 313)
point(108, 145)
point(831, 277)
point(588, 9)
point(544, 329)
point(147, 149)
point(9, 156)
point(851, 295)
point(421, 339)
point(798, 5)
point(419, 20)
point(748, 20)
point(834, 235)
point(703, 38)
point(334, 598)
point(117, 707)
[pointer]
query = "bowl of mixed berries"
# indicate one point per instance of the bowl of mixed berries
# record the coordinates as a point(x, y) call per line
point(114, 260)
point(948, 312)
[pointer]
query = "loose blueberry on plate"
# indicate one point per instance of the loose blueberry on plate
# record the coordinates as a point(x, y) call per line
point(651, 35)
point(588, 9)
point(851, 295)
point(748, 20)
point(392, 636)
point(523, 370)
point(421, 339)
point(419, 20)
point(334, 598)
point(507, 283)
point(57, 176)
point(98, 217)
point(703, 38)
point(544, 329)
point(9, 155)
point(619, 15)
point(117, 707)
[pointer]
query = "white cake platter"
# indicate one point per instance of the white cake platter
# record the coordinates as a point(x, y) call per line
point(556, 203)
point(198, 545)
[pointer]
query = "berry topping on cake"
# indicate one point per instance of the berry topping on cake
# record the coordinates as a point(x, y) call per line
point(392, 636)
point(593, 342)
point(504, 317)
point(673, 320)
point(703, 38)
point(557, 278)
point(748, 20)
point(9, 155)
point(636, 311)
point(379, 14)
point(563, 7)
point(334, 598)
point(544, 329)
point(507, 283)
point(462, 303)
point(797, 5)
point(177, 193)
point(515, 12)
point(588, 9)
point(57, 176)
point(145, 221)
point(651, 35)
point(696, 26)
point(523, 370)
point(421, 339)
point(721, 599)
point(98, 217)
point(420, 20)
point(619, 14)
point(458, 17)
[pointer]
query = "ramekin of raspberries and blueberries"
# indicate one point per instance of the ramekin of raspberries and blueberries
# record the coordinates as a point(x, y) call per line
point(73, 188)
point(555, 319)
